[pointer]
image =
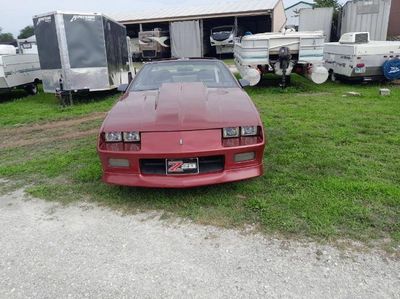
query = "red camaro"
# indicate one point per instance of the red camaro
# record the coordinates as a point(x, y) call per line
point(182, 123)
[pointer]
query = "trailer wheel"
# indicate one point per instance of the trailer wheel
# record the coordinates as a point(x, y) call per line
point(332, 76)
point(31, 89)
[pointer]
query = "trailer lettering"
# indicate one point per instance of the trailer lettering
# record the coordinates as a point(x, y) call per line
point(44, 19)
point(84, 18)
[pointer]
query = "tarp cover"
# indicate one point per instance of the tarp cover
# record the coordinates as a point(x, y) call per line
point(391, 69)
point(186, 40)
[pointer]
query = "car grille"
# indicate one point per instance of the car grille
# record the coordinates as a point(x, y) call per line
point(206, 165)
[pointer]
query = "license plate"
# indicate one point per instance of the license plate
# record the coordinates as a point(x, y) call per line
point(359, 70)
point(182, 166)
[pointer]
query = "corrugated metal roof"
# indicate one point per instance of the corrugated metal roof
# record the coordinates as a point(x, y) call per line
point(366, 16)
point(197, 12)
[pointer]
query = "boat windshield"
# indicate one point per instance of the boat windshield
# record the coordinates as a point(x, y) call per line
point(222, 29)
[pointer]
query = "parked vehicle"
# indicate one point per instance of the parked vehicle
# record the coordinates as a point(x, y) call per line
point(27, 45)
point(223, 38)
point(355, 56)
point(154, 44)
point(81, 51)
point(18, 70)
point(135, 49)
point(281, 53)
point(182, 123)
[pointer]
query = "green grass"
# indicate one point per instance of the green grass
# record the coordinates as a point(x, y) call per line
point(229, 61)
point(332, 165)
point(16, 108)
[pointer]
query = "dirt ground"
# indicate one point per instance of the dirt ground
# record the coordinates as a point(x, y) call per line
point(82, 250)
point(50, 131)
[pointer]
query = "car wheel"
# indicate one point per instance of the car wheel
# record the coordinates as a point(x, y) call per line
point(31, 89)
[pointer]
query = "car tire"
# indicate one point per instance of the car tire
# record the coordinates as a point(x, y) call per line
point(31, 89)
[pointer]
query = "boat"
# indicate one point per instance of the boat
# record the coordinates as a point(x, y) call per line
point(281, 53)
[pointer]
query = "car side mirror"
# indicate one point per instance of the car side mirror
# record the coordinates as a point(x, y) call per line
point(244, 82)
point(122, 87)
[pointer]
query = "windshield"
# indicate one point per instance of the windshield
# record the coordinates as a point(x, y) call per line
point(222, 29)
point(211, 73)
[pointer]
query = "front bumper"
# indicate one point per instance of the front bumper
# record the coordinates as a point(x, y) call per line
point(166, 145)
point(182, 181)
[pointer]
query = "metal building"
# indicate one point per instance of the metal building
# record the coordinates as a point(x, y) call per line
point(293, 12)
point(190, 27)
point(394, 20)
point(367, 16)
point(314, 19)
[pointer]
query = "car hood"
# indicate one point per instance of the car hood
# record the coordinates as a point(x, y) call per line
point(182, 106)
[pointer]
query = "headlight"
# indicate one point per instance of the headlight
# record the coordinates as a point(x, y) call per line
point(113, 136)
point(133, 136)
point(230, 132)
point(248, 131)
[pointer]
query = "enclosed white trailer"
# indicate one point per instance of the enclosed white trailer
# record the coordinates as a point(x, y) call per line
point(281, 53)
point(81, 51)
point(356, 57)
point(18, 70)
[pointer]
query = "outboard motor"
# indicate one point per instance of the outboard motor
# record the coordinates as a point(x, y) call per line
point(284, 60)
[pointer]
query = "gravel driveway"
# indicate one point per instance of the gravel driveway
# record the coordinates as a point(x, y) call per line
point(50, 251)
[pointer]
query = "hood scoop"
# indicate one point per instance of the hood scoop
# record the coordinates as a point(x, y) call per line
point(180, 102)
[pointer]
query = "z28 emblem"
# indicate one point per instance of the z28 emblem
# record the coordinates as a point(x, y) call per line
point(189, 165)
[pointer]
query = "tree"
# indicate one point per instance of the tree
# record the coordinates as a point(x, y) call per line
point(336, 11)
point(26, 32)
point(328, 3)
point(5, 37)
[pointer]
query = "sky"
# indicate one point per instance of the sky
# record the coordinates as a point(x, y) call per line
point(16, 14)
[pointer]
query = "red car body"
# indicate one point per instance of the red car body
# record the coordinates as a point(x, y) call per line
point(181, 125)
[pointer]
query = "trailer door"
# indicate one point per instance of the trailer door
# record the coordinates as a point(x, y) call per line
point(186, 39)
point(85, 41)
point(47, 41)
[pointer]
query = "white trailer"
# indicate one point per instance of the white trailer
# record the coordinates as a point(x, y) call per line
point(356, 57)
point(281, 53)
point(81, 52)
point(27, 45)
point(18, 70)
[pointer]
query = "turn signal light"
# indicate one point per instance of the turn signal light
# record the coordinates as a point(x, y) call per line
point(118, 162)
point(244, 157)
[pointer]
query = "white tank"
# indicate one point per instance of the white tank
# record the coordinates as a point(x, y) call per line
point(318, 74)
point(7, 50)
